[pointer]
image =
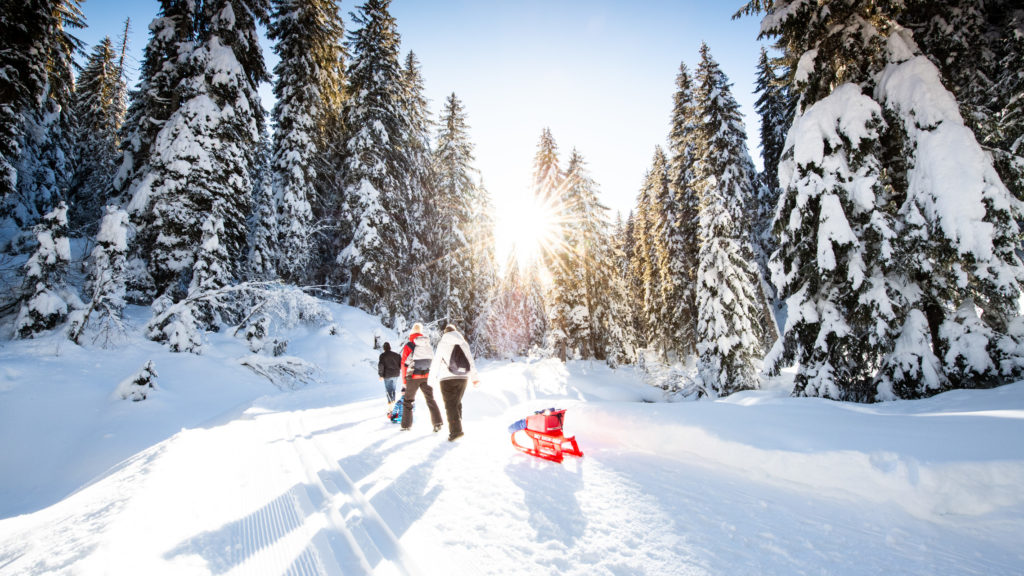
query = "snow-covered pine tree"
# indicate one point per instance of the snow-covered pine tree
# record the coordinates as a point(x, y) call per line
point(569, 321)
point(263, 252)
point(507, 331)
point(626, 243)
point(211, 270)
point(598, 264)
point(835, 254)
point(647, 226)
point(99, 111)
point(204, 154)
point(678, 263)
point(635, 247)
point(621, 326)
point(776, 108)
point(483, 275)
point(139, 385)
point(834, 263)
point(546, 189)
point(454, 195)
point(516, 320)
point(151, 104)
point(547, 176)
point(106, 281)
point(662, 284)
point(37, 63)
point(307, 35)
point(944, 224)
point(420, 215)
point(375, 244)
point(44, 304)
point(728, 329)
point(331, 59)
point(978, 47)
point(959, 230)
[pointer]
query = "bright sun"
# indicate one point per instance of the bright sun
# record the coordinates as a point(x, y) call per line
point(525, 230)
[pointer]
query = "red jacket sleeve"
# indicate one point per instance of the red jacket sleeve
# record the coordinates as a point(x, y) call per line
point(405, 354)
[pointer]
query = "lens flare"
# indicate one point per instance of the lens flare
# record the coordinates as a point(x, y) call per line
point(528, 231)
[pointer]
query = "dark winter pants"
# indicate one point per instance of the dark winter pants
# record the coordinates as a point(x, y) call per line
point(452, 391)
point(411, 385)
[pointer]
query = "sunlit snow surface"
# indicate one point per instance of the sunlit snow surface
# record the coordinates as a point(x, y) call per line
point(220, 472)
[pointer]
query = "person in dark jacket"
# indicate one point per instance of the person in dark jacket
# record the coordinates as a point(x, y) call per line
point(389, 368)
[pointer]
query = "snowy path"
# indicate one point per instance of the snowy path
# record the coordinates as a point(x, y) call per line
point(317, 482)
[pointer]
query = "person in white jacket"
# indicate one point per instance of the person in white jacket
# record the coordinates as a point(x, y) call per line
point(453, 368)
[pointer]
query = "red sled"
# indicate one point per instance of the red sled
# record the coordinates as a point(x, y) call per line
point(544, 431)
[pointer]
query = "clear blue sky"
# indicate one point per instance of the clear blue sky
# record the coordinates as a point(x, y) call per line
point(599, 73)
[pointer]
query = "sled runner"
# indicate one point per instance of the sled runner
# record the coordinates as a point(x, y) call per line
point(543, 436)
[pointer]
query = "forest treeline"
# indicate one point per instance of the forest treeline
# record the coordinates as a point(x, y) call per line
point(878, 250)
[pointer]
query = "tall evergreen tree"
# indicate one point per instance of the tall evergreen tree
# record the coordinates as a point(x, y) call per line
point(603, 317)
point(622, 325)
point(263, 227)
point(775, 107)
point(99, 111)
point(915, 230)
point(202, 159)
point(569, 319)
point(678, 257)
point(37, 62)
point(978, 47)
point(455, 195)
point(647, 224)
point(305, 32)
point(106, 281)
point(375, 177)
point(426, 242)
point(330, 160)
point(156, 97)
point(547, 176)
point(662, 242)
point(727, 305)
point(507, 328)
point(539, 260)
point(484, 276)
point(45, 302)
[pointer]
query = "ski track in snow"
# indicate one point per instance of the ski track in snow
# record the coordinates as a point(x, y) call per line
point(312, 483)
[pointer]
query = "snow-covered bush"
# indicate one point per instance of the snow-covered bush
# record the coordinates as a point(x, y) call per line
point(282, 307)
point(106, 281)
point(138, 386)
point(256, 334)
point(967, 343)
point(680, 382)
point(45, 302)
point(285, 372)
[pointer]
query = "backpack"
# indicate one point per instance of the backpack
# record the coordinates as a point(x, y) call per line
point(420, 355)
point(458, 363)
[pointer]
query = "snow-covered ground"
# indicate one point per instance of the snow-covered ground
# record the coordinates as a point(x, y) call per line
point(220, 472)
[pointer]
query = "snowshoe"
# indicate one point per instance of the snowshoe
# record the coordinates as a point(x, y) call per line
point(541, 435)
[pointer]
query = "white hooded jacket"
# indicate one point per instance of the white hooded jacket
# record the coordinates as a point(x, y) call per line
point(439, 366)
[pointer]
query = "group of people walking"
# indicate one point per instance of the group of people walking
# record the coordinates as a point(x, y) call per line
point(420, 367)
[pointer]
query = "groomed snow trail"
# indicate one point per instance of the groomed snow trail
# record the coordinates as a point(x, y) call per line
point(318, 482)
